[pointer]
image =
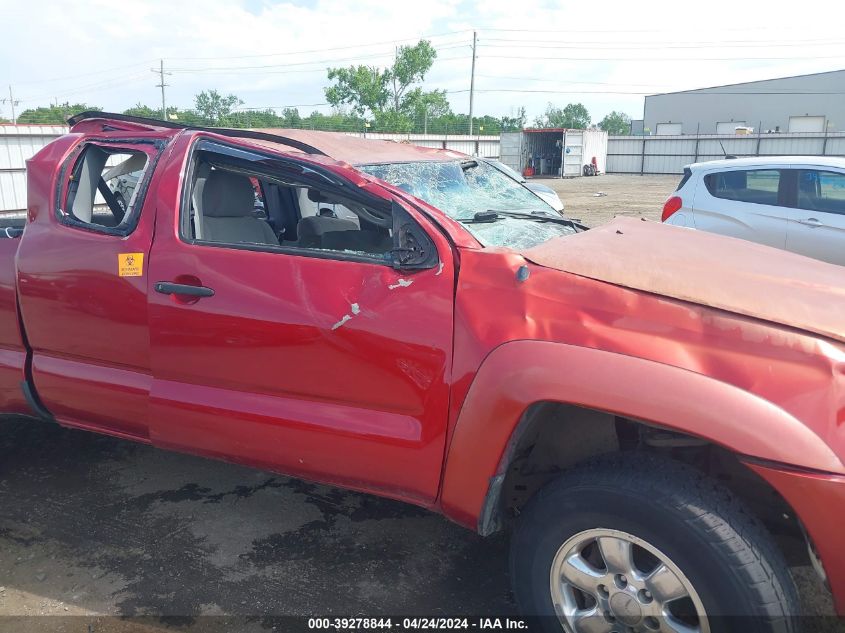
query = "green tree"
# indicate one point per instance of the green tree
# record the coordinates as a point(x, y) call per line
point(290, 118)
point(616, 124)
point(364, 88)
point(486, 125)
point(411, 65)
point(145, 111)
point(424, 108)
point(369, 90)
point(391, 121)
point(573, 116)
point(214, 107)
point(339, 121)
point(54, 114)
point(514, 123)
point(418, 103)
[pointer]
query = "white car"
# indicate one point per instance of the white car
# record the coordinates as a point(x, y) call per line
point(795, 203)
point(546, 194)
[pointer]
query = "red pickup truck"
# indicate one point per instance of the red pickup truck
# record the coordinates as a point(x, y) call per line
point(656, 414)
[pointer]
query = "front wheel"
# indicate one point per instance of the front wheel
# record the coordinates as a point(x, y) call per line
point(640, 544)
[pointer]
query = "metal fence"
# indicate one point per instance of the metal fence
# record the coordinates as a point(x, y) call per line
point(18, 143)
point(487, 146)
point(669, 154)
point(625, 154)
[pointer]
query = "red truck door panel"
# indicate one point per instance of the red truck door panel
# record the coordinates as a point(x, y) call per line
point(328, 368)
point(85, 309)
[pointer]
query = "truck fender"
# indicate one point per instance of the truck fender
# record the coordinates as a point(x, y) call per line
point(518, 374)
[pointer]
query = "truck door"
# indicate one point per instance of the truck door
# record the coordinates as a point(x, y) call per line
point(83, 285)
point(283, 337)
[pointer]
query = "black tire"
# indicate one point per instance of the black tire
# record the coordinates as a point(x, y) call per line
point(727, 556)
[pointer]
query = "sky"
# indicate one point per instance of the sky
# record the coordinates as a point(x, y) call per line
point(604, 54)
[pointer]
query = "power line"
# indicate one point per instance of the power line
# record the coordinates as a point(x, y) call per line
point(663, 59)
point(295, 105)
point(645, 46)
point(97, 87)
point(593, 83)
point(87, 74)
point(691, 44)
point(301, 63)
point(320, 69)
point(627, 92)
point(322, 50)
point(744, 29)
point(77, 89)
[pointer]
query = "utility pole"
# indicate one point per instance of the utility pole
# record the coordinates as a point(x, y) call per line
point(472, 82)
point(12, 103)
point(162, 85)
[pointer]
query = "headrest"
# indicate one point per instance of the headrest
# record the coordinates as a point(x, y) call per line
point(227, 195)
point(315, 195)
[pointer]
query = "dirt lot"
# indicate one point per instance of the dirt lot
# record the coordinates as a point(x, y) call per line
point(637, 196)
point(93, 526)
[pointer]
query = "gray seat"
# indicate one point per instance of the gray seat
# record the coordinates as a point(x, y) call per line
point(312, 229)
point(227, 202)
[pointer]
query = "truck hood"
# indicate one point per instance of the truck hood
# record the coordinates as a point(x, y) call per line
point(707, 269)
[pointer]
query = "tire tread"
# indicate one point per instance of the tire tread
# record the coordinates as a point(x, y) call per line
point(711, 509)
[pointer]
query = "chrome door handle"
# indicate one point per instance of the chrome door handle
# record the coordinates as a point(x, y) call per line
point(810, 222)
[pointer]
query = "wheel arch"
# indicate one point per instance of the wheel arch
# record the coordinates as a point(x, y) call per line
point(520, 376)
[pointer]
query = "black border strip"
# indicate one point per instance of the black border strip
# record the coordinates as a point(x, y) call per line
point(223, 131)
point(121, 230)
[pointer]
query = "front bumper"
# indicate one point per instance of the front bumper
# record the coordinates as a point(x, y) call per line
point(819, 502)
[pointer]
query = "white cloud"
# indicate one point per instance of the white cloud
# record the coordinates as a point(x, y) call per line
point(101, 51)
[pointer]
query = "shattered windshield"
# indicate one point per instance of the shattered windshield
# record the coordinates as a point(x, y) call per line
point(482, 197)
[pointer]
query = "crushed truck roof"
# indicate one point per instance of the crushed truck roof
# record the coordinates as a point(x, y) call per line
point(338, 146)
point(357, 150)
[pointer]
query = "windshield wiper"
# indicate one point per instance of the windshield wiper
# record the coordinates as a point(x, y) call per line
point(482, 217)
point(542, 216)
point(488, 217)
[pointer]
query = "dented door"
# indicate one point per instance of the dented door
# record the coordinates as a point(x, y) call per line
point(326, 369)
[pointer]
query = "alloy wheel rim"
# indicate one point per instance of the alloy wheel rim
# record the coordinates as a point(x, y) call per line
point(609, 581)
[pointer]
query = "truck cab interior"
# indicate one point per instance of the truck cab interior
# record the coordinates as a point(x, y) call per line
point(234, 205)
point(91, 196)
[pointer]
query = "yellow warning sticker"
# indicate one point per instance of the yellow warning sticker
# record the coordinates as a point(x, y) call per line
point(130, 264)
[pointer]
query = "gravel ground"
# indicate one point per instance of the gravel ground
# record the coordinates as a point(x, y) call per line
point(636, 196)
point(92, 526)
